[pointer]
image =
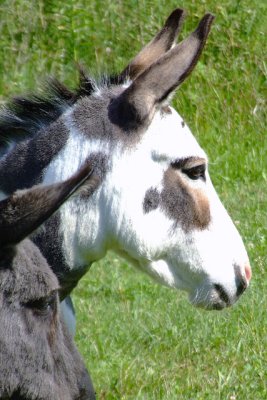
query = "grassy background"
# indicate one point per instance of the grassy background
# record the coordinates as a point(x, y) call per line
point(140, 340)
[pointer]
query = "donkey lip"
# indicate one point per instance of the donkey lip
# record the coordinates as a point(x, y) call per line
point(216, 306)
point(219, 306)
point(216, 299)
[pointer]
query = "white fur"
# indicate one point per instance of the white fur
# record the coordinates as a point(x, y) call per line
point(80, 221)
point(189, 257)
point(114, 217)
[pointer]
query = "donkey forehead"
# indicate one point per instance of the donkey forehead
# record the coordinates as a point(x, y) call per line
point(171, 139)
point(167, 136)
point(32, 271)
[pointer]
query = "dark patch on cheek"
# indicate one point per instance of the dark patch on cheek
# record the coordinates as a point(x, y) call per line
point(151, 200)
point(186, 206)
point(99, 162)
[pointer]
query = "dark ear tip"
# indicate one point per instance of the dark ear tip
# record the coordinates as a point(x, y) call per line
point(209, 17)
point(204, 26)
point(176, 16)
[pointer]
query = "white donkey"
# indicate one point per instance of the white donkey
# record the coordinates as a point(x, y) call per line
point(155, 203)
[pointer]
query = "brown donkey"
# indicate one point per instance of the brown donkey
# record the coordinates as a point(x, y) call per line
point(38, 358)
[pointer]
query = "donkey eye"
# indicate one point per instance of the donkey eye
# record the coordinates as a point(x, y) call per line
point(197, 172)
point(43, 305)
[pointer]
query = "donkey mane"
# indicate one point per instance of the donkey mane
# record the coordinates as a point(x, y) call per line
point(24, 116)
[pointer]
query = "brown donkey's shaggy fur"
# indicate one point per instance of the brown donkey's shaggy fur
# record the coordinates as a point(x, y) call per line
point(38, 358)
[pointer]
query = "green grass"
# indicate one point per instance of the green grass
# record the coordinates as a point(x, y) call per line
point(141, 340)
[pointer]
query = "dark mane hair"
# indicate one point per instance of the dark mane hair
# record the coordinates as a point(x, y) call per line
point(23, 116)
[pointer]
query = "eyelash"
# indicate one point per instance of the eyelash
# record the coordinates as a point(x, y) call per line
point(195, 173)
point(44, 305)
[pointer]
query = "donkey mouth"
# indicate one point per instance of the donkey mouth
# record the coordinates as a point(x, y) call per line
point(217, 306)
point(210, 306)
point(213, 298)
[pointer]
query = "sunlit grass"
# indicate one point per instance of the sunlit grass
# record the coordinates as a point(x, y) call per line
point(141, 340)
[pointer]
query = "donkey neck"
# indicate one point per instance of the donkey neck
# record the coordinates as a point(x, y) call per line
point(81, 224)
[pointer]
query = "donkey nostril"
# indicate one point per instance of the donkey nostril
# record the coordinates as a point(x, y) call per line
point(242, 278)
point(222, 293)
point(248, 272)
point(241, 285)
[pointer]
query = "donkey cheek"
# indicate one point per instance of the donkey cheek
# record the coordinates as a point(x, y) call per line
point(188, 207)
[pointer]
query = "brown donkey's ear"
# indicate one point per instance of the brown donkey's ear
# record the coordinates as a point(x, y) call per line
point(26, 210)
point(138, 102)
point(161, 43)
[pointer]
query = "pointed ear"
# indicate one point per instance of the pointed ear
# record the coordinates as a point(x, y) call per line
point(138, 102)
point(161, 43)
point(26, 210)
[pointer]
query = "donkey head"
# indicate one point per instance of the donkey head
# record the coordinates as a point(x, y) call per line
point(156, 205)
point(179, 233)
point(38, 358)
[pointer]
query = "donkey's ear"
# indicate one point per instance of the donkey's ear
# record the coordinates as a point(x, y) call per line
point(161, 43)
point(26, 210)
point(138, 102)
